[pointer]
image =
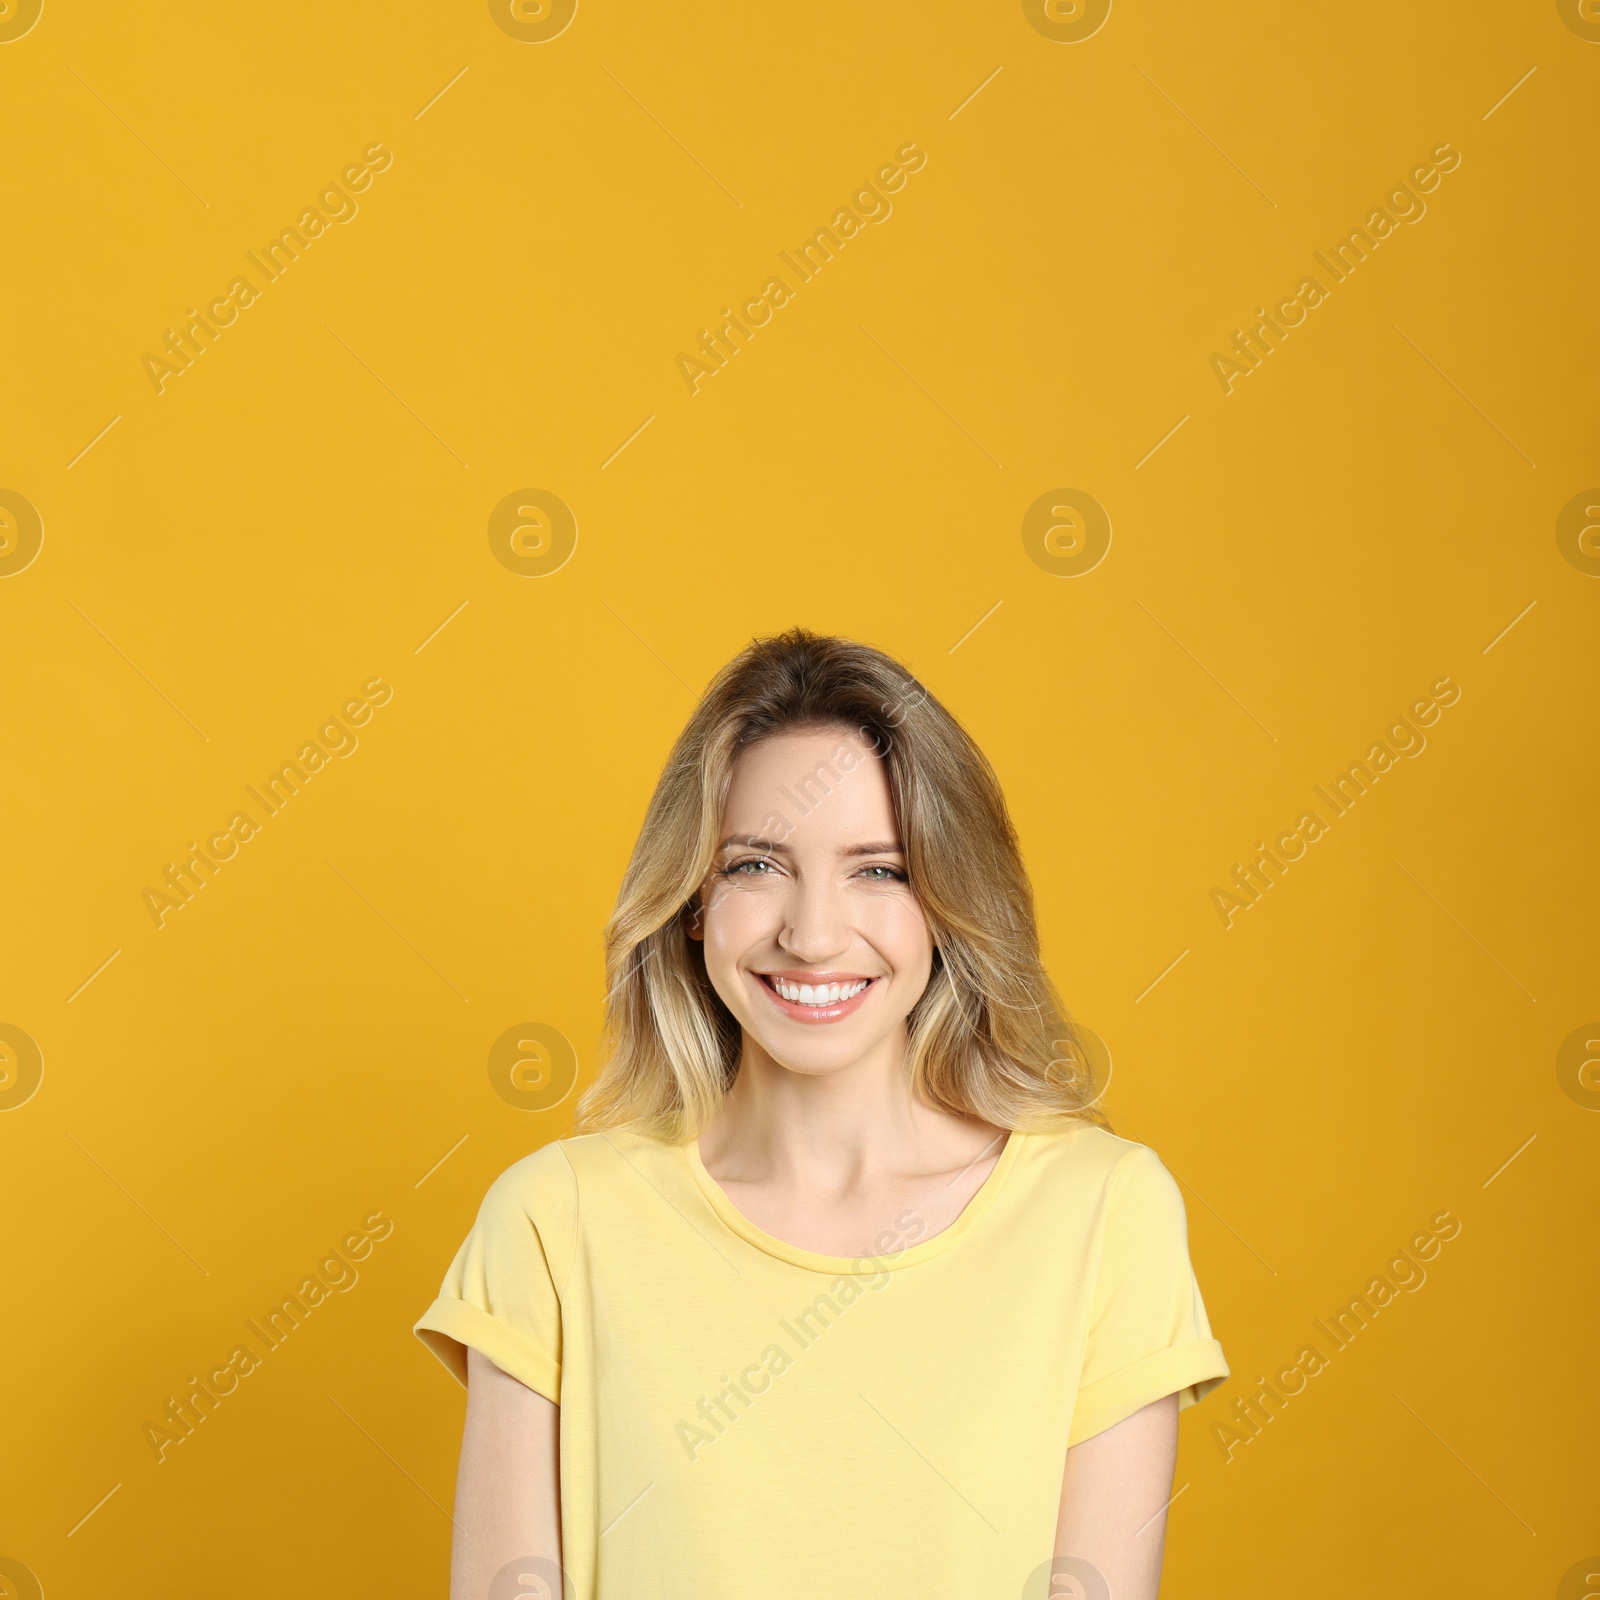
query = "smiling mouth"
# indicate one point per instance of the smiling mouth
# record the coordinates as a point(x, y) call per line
point(815, 1002)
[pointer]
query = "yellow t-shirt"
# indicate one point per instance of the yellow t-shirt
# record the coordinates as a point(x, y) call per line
point(740, 1417)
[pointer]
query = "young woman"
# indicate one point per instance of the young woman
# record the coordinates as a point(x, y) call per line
point(844, 1289)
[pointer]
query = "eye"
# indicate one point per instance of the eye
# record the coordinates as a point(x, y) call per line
point(750, 867)
point(877, 873)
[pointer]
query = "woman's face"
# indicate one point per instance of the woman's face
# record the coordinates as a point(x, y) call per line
point(813, 938)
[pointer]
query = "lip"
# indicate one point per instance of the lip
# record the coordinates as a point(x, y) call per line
point(815, 1015)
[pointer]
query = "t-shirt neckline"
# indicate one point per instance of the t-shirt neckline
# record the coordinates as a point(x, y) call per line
point(740, 1224)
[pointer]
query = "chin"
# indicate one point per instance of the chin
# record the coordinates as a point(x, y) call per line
point(813, 1069)
point(817, 1059)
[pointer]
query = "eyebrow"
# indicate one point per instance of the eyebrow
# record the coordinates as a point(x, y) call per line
point(753, 841)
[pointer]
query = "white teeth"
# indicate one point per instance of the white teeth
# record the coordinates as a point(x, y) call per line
point(820, 994)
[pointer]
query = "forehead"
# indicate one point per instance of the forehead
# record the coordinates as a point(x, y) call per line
point(826, 785)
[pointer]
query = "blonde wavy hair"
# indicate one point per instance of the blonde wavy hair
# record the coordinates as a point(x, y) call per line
point(989, 1037)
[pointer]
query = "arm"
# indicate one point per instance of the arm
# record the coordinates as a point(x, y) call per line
point(1114, 1499)
point(508, 1484)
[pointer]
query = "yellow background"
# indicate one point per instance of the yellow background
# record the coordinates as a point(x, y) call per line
point(301, 510)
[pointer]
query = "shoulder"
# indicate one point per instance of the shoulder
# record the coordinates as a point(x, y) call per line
point(539, 1186)
point(551, 1179)
point(1121, 1192)
point(1092, 1162)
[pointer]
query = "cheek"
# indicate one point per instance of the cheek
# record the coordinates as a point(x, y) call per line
point(735, 919)
point(896, 927)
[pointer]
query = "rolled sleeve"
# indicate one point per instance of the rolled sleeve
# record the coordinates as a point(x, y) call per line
point(502, 1294)
point(1148, 1333)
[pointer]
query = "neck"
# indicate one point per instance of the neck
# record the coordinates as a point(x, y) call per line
point(833, 1131)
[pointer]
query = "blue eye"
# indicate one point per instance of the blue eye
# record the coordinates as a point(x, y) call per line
point(738, 868)
point(889, 874)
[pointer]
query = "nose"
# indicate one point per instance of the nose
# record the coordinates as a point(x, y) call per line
point(814, 929)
